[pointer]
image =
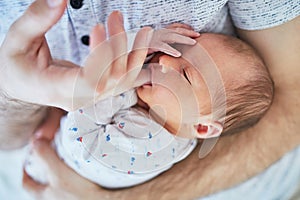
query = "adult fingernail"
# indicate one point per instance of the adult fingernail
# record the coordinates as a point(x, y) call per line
point(38, 134)
point(149, 35)
point(120, 17)
point(54, 3)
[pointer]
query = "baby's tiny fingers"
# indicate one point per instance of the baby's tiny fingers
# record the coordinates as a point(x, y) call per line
point(164, 47)
point(186, 32)
point(55, 169)
point(174, 38)
point(179, 25)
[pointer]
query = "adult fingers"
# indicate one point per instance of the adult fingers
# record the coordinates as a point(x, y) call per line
point(49, 127)
point(107, 54)
point(140, 48)
point(55, 168)
point(98, 44)
point(136, 60)
point(31, 186)
point(98, 35)
point(118, 40)
point(97, 67)
point(59, 175)
point(34, 23)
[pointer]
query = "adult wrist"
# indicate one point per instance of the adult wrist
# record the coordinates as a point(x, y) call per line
point(18, 121)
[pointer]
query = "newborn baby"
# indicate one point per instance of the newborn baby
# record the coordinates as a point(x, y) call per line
point(130, 138)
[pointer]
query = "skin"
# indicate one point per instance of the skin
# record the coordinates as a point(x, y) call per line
point(257, 147)
point(31, 79)
point(166, 97)
point(25, 55)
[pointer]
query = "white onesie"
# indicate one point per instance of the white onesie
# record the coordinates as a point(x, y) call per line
point(114, 144)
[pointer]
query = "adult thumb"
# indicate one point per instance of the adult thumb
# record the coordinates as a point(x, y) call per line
point(37, 20)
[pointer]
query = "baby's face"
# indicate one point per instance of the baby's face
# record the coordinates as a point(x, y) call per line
point(207, 76)
point(177, 93)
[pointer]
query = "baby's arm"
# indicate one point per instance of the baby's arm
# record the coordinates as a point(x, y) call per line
point(18, 120)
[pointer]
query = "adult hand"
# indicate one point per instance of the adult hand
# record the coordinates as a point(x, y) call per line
point(117, 70)
point(64, 183)
point(110, 68)
point(29, 73)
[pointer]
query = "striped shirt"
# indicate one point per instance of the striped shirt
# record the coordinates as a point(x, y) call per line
point(66, 41)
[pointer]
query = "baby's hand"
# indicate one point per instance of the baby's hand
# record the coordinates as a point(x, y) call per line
point(173, 34)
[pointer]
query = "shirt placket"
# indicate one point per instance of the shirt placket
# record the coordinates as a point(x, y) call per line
point(82, 20)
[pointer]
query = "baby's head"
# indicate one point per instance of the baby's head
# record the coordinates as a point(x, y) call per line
point(247, 83)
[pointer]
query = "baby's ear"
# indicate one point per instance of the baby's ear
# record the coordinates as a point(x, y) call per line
point(208, 130)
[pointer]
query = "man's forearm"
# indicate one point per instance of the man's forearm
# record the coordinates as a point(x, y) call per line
point(18, 120)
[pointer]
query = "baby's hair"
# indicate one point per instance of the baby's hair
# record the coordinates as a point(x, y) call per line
point(246, 101)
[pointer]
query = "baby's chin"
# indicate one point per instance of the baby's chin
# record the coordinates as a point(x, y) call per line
point(142, 104)
point(142, 96)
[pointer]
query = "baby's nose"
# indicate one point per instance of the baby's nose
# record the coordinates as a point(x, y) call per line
point(169, 62)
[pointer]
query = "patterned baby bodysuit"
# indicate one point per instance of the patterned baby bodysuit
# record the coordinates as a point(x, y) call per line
point(115, 144)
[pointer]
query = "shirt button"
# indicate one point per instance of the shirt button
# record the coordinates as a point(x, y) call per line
point(76, 4)
point(85, 40)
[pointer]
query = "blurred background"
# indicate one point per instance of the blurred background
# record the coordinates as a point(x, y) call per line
point(11, 175)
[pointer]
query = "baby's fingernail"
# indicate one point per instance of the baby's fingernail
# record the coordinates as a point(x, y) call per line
point(177, 54)
point(120, 16)
point(164, 69)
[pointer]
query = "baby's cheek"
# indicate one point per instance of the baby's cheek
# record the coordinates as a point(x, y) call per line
point(158, 95)
point(144, 94)
point(161, 95)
